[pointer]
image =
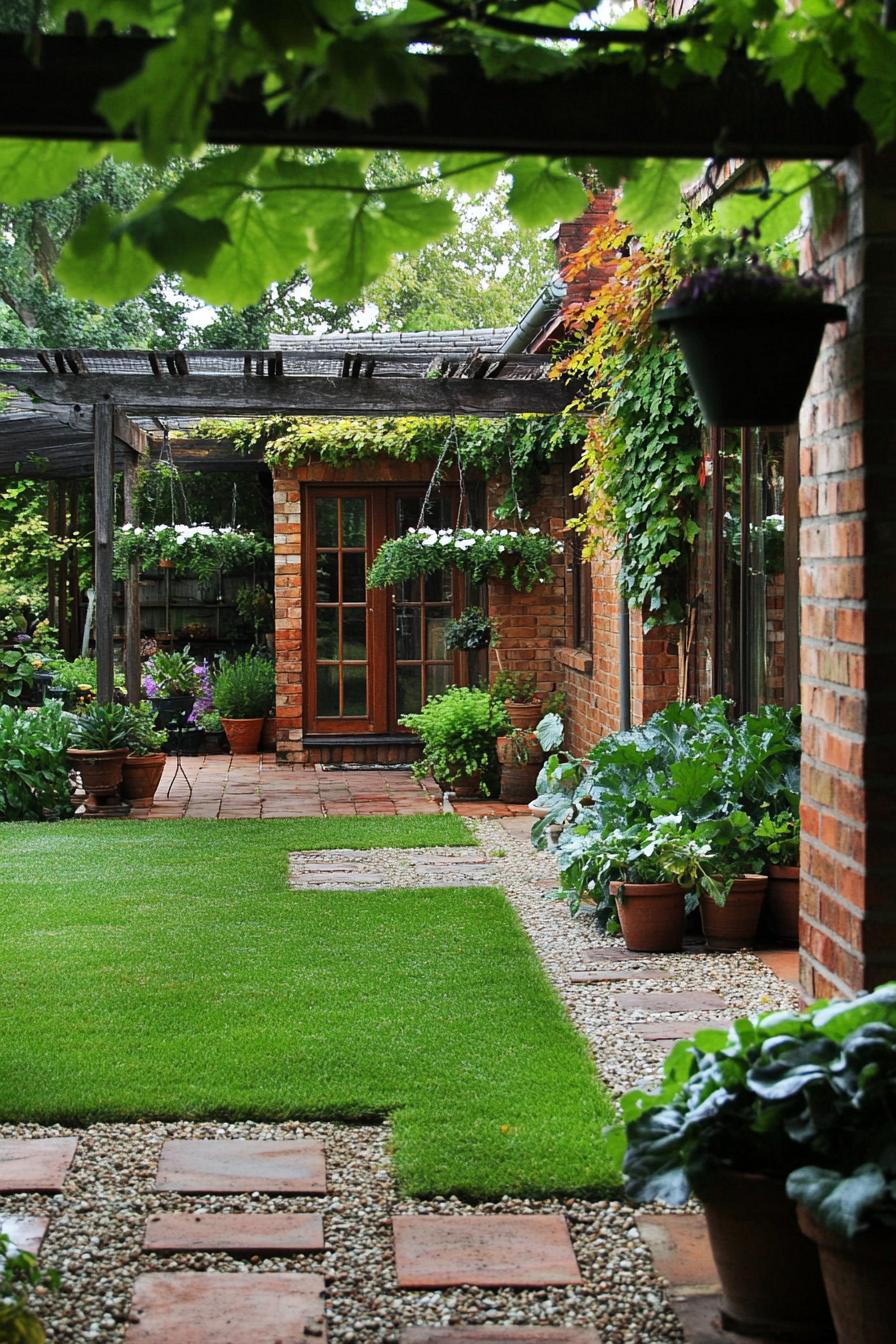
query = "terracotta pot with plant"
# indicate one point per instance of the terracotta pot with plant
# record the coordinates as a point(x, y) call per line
point(145, 762)
point(779, 835)
point(731, 889)
point(243, 696)
point(749, 333)
point(98, 747)
point(458, 731)
point(520, 757)
point(522, 703)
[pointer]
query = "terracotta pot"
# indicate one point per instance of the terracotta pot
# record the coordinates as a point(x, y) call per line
point(651, 915)
point(166, 564)
point(100, 773)
point(467, 786)
point(518, 782)
point(733, 925)
point(243, 735)
point(769, 1272)
point(859, 1281)
point(782, 904)
point(140, 777)
point(523, 715)
point(269, 734)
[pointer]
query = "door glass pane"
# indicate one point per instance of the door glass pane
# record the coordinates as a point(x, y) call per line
point(327, 633)
point(408, 696)
point(325, 516)
point(354, 684)
point(436, 625)
point(437, 587)
point(354, 582)
point(354, 522)
point(328, 691)
point(354, 633)
point(327, 576)
point(438, 676)
point(407, 632)
point(407, 512)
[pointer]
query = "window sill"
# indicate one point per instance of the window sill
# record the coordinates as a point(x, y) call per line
point(577, 660)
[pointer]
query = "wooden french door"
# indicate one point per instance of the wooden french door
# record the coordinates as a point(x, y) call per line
point(371, 655)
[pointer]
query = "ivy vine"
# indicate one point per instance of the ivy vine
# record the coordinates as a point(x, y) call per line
point(517, 448)
point(640, 464)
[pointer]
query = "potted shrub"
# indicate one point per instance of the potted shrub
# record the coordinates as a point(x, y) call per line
point(243, 696)
point(731, 889)
point(34, 773)
point(458, 730)
point(519, 756)
point(749, 332)
point(99, 745)
point(172, 682)
point(522, 703)
point(779, 836)
point(213, 739)
point(142, 768)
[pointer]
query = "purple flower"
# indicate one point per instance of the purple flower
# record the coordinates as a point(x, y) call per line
point(150, 687)
point(203, 702)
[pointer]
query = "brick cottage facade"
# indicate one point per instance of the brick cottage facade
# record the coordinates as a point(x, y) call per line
point(825, 631)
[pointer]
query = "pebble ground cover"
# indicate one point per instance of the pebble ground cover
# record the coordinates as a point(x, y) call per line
point(168, 972)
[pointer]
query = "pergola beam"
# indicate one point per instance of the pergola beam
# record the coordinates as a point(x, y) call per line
point(607, 111)
point(232, 395)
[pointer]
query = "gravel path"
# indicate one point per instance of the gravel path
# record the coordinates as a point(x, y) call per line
point(96, 1227)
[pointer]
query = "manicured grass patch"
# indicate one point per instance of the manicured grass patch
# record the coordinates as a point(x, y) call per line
point(167, 970)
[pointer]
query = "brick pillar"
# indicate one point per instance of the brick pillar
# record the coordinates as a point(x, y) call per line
point(848, 604)
point(288, 614)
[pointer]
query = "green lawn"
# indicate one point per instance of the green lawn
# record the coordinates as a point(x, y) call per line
point(167, 970)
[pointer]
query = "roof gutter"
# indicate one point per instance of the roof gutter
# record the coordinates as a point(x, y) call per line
point(531, 323)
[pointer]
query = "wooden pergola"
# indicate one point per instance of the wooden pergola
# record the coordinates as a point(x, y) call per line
point(96, 412)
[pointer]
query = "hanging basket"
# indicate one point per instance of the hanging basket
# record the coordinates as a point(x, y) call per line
point(749, 363)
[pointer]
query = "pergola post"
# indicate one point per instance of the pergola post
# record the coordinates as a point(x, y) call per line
point(103, 478)
point(131, 586)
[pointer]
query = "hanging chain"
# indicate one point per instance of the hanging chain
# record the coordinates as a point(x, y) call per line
point(513, 490)
point(233, 507)
point(462, 485)
point(436, 476)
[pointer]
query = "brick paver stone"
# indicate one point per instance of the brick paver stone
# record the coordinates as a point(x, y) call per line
point(26, 1233)
point(247, 1233)
point(35, 1164)
point(691, 1001)
point(679, 1244)
point(197, 1308)
point(611, 954)
point(224, 1166)
point(623, 973)
point(499, 1334)
point(485, 1250)
point(664, 1033)
point(700, 1318)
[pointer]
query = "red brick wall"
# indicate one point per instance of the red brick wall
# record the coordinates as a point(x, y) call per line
point(848, 604)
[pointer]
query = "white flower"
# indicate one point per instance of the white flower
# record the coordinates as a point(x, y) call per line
point(181, 541)
point(501, 548)
point(534, 531)
point(127, 527)
point(430, 540)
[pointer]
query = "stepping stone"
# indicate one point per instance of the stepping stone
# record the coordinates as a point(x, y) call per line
point(484, 1250)
point(700, 1318)
point(635, 972)
point(679, 1244)
point(691, 1001)
point(26, 1233)
point(229, 1166)
point(785, 964)
point(35, 1164)
point(618, 954)
point(498, 1334)
point(197, 1308)
point(248, 1233)
point(669, 1032)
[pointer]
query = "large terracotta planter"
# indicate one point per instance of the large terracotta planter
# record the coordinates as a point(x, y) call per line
point(859, 1280)
point(465, 786)
point(750, 363)
point(100, 773)
point(782, 904)
point(651, 915)
point(523, 715)
point(520, 761)
point(769, 1272)
point(243, 735)
point(733, 925)
point(140, 776)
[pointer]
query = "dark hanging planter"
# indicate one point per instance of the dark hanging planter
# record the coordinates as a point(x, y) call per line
point(749, 363)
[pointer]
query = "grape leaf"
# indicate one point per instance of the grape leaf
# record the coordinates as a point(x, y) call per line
point(544, 190)
point(651, 198)
point(808, 65)
point(101, 262)
point(178, 241)
point(265, 244)
point(471, 172)
point(32, 170)
point(780, 214)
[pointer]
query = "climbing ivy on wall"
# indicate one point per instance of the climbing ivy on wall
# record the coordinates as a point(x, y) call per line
point(639, 485)
point(518, 448)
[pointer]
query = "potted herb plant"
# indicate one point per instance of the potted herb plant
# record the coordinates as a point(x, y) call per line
point(749, 332)
point(458, 730)
point(98, 747)
point(522, 702)
point(738, 1117)
point(470, 631)
point(142, 768)
point(172, 682)
point(210, 723)
point(779, 836)
point(243, 695)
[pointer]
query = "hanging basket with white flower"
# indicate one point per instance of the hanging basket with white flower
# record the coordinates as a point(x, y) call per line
point(525, 558)
point(201, 550)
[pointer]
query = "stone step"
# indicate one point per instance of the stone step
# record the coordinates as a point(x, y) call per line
point(196, 1308)
point(498, 1334)
point(25, 1233)
point(230, 1166)
point(662, 1033)
point(35, 1165)
point(238, 1233)
point(484, 1250)
point(672, 1001)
